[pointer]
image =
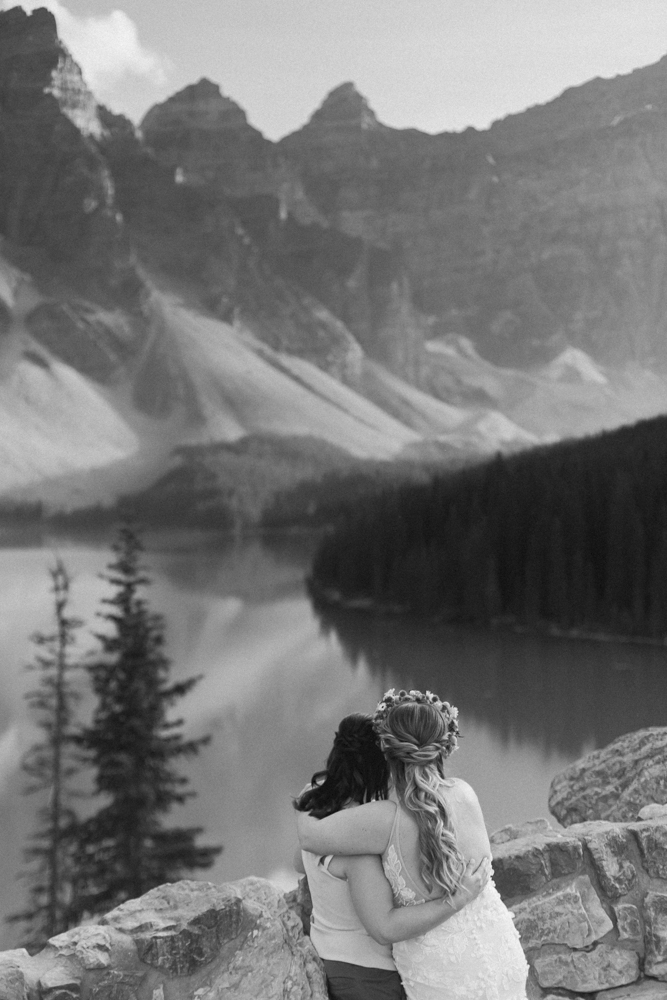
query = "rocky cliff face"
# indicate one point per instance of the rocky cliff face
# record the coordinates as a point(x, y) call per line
point(189, 231)
point(206, 140)
point(544, 231)
point(57, 210)
point(206, 137)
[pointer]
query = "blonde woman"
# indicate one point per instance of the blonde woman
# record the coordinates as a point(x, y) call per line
point(427, 840)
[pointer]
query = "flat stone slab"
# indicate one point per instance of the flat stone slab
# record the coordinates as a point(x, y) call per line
point(524, 865)
point(647, 989)
point(628, 922)
point(571, 915)
point(587, 971)
point(609, 847)
point(655, 934)
point(651, 836)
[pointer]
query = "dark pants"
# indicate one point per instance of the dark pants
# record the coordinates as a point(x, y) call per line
point(356, 982)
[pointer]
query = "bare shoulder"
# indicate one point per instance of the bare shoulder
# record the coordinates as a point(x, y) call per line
point(463, 789)
point(465, 793)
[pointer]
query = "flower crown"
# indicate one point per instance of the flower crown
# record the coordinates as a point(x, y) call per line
point(391, 699)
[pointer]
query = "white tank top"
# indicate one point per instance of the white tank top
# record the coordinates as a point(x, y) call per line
point(335, 928)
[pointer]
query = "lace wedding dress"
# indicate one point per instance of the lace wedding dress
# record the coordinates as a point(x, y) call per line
point(475, 955)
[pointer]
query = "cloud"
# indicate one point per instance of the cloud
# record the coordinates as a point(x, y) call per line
point(108, 49)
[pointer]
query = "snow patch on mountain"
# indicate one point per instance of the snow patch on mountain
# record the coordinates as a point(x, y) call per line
point(453, 344)
point(495, 431)
point(574, 364)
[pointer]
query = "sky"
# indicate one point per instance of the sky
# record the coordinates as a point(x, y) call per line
point(436, 65)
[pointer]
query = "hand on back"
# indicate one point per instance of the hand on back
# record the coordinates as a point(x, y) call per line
point(475, 879)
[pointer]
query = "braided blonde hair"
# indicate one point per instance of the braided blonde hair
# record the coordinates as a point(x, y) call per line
point(416, 737)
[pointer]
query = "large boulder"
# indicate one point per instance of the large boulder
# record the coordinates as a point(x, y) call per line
point(240, 941)
point(613, 783)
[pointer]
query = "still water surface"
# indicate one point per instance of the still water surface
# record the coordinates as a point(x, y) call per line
point(276, 678)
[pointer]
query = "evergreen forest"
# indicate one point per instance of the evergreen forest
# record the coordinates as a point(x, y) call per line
point(571, 536)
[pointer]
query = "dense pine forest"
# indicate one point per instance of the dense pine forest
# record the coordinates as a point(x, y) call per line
point(573, 535)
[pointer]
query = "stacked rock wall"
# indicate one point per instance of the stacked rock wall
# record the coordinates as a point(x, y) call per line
point(590, 904)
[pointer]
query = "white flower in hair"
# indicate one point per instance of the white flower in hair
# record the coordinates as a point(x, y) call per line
point(391, 699)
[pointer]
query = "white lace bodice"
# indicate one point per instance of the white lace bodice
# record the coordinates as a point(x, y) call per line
point(403, 895)
point(475, 955)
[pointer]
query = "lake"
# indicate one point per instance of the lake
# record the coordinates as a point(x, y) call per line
point(277, 677)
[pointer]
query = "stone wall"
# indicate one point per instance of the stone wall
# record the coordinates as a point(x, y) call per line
point(590, 904)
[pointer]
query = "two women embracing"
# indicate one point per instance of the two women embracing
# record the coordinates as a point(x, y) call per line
point(398, 862)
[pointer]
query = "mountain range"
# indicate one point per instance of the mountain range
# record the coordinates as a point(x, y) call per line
point(189, 284)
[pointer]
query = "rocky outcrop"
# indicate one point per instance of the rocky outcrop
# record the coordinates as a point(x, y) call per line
point(590, 905)
point(57, 209)
point(185, 941)
point(613, 783)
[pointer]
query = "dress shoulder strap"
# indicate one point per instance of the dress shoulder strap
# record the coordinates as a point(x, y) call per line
point(393, 835)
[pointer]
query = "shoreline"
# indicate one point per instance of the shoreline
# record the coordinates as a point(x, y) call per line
point(366, 605)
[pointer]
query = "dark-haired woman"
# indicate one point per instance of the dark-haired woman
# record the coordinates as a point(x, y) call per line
point(354, 920)
point(427, 841)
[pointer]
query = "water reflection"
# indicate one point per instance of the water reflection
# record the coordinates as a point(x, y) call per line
point(277, 679)
point(560, 695)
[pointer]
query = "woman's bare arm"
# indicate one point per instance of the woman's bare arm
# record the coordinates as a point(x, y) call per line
point(359, 830)
point(373, 901)
point(297, 862)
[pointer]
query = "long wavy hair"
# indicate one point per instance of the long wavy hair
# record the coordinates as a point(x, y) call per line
point(415, 741)
point(356, 770)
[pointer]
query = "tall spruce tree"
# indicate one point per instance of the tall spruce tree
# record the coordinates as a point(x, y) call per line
point(51, 765)
point(133, 745)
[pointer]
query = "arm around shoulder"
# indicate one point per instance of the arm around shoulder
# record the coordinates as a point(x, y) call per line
point(359, 830)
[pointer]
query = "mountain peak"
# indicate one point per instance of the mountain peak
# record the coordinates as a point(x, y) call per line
point(345, 106)
point(202, 101)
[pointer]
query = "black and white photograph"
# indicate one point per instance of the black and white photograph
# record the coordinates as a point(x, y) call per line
point(333, 500)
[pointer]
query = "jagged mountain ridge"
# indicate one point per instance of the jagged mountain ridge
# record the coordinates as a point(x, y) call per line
point(150, 300)
point(545, 231)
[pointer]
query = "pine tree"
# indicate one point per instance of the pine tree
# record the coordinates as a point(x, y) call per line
point(133, 745)
point(51, 765)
